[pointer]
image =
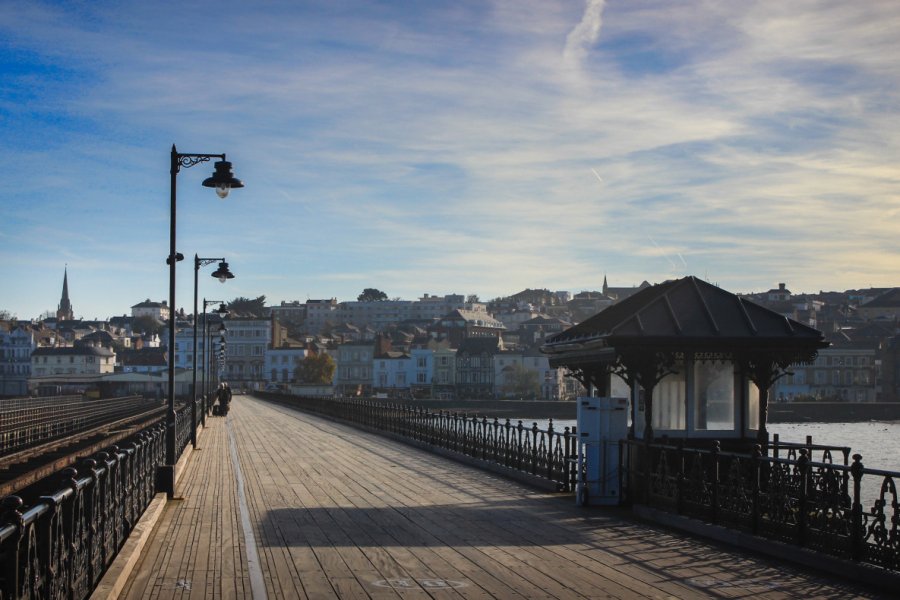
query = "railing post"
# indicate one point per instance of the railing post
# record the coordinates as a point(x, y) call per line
point(484, 438)
point(534, 448)
point(755, 463)
point(519, 429)
point(803, 468)
point(12, 567)
point(714, 509)
point(551, 444)
point(679, 501)
point(856, 525)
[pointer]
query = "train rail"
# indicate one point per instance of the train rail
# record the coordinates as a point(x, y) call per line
point(38, 439)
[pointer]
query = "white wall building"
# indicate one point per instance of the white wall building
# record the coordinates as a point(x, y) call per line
point(280, 364)
point(148, 308)
point(247, 341)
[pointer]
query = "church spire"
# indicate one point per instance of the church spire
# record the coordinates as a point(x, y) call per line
point(64, 311)
point(605, 287)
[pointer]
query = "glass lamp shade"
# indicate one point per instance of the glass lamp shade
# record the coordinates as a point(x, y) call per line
point(223, 179)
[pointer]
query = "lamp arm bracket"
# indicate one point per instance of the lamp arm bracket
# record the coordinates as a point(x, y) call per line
point(202, 262)
point(186, 161)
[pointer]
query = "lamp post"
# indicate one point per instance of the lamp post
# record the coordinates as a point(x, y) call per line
point(222, 312)
point(223, 274)
point(222, 180)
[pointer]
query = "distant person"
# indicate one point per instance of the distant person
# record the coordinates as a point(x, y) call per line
point(227, 397)
point(221, 400)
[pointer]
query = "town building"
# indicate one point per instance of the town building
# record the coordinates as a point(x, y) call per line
point(353, 375)
point(64, 310)
point(17, 342)
point(281, 364)
point(247, 340)
point(148, 308)
point(475, 367)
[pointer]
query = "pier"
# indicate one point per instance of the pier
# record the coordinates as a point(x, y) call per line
point(278, 503)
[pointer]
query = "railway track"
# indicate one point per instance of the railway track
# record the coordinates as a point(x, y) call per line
point(22, 472)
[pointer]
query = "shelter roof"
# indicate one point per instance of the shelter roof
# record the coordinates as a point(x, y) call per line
point(687, 312)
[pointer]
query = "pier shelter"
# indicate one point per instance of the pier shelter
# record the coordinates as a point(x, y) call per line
point(695, 361)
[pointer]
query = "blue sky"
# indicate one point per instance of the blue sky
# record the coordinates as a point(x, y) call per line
point(447, 147)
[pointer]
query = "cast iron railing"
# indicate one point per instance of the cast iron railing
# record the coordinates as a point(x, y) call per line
point(60, 544)
point(843, 510)
point(27, 422)
point(547, 454)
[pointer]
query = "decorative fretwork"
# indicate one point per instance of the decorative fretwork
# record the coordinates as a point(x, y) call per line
point(60, 546)
point(817, 505)
point(882, 531)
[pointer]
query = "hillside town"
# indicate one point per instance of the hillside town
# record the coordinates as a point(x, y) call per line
point(434, 347)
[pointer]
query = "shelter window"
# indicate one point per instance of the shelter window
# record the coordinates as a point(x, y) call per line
point(752, 406)
point(713, 395)
point(668, 402)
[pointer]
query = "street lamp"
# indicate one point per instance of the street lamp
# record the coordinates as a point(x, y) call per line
point(207, 353)
point(223, 181)
point(223, 274)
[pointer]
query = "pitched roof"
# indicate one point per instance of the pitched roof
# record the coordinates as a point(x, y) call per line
point(687, 311)
point(889, 299)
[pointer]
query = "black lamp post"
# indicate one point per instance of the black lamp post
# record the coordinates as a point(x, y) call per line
point(223, 274)
point(222, 180)
point(207, 353)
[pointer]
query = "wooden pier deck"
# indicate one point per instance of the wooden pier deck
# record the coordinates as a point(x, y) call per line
point(280, 504)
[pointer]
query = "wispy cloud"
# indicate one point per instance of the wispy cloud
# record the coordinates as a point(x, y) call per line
point(452, 147)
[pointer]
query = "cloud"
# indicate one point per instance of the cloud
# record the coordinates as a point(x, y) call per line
point(455, 143)
point(585, 34)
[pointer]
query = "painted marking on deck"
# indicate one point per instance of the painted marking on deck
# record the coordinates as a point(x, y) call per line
point(736, 583)
point(257, 583)
point(428, 584)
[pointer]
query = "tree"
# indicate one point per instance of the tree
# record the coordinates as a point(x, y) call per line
point(255, 307)
point(521, 382)
point(146, 324)
point(372, 295)
point(315, 368)
point(5, 315)
point(472, 299)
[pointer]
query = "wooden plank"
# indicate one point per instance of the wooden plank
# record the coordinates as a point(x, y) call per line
point(339, 513)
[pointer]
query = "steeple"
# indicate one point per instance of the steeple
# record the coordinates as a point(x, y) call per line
point(605, 287)
point(64, 311)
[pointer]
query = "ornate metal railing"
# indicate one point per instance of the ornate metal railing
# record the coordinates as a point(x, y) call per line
point(60, 544)
point(843, 510)
point(548, 454)
point(27, 422)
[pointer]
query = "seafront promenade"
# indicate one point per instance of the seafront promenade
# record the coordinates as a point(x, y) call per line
point(280, 504)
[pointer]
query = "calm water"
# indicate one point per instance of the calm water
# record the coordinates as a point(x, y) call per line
point(877, 441)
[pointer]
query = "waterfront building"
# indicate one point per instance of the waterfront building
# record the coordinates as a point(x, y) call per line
point(475, 367)
point(145, 360)
point(443, 378)
point(247, 339)
point(69, 369)
point(17, 342)
point(281, 363)
point(353, 373)
point(392, 374)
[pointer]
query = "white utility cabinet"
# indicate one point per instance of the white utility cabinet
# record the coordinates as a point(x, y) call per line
point(601, 422)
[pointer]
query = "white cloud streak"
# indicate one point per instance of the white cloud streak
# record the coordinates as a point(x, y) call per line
point(757, 142)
